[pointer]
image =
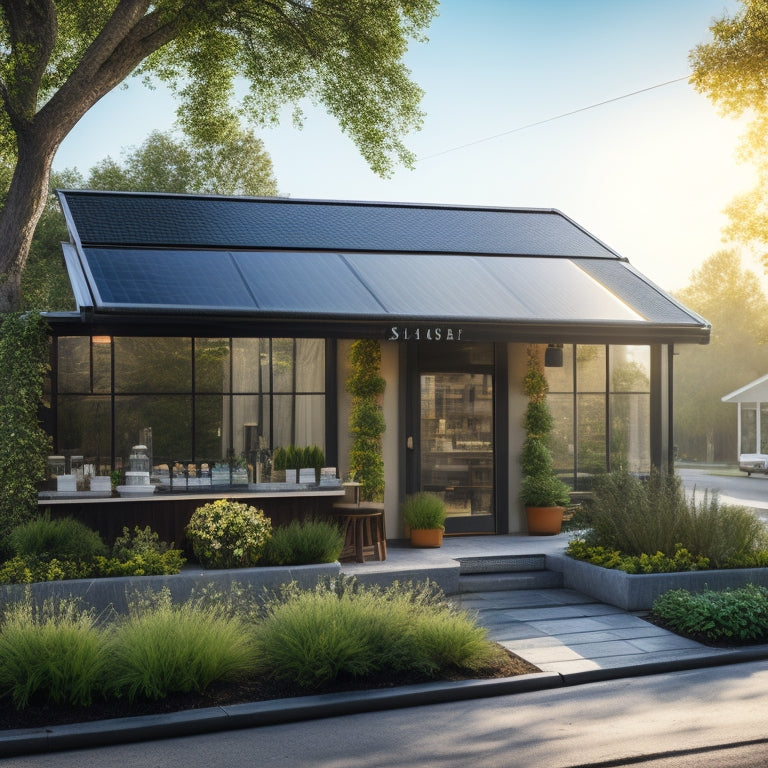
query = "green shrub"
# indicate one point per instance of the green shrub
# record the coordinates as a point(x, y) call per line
point(605, 557)
point(544, 490)
point(52, 550)
point(228, 534)
point(55, 654)
point(639, 517)
point(424, 511)
point(178, 649)
point(303, 543)
point(63, 539)
point(312, 638)
point(732, 614)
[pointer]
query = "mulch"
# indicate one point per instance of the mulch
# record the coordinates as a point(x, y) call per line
point(42, 714)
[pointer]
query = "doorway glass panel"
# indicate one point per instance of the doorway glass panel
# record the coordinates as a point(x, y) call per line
point(457, 444)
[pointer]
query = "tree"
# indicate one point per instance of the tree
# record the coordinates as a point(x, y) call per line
point(238, 164)
point(59, 57)
point(732, 70)
point(705, 427)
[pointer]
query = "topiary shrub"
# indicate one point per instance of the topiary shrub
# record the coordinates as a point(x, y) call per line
point(228, 534)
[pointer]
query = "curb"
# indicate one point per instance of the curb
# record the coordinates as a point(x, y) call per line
point(275, 712)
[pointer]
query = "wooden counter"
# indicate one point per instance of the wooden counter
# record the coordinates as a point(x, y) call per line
point(169, 513)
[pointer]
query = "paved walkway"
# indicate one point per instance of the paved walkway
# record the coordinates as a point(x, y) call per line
point(557, 630)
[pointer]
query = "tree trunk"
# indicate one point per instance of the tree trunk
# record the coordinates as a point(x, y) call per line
point(19, 216)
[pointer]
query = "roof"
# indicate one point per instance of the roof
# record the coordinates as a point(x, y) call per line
point(357, 268)
point(754, 392)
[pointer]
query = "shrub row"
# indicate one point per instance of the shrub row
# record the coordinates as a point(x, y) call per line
point(223, 534)
point(62, 655)
point(50, 550)
point(230, 534)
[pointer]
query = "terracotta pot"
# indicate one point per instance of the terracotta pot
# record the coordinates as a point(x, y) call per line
point(544, 521)
point(426, 537)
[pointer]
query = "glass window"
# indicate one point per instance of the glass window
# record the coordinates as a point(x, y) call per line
point(310, 365)
point(85, 427)
point(748, 428)
point(153, 364)
point(74, 364)
point(190, 400)
point(169, 418)
point(211, 365)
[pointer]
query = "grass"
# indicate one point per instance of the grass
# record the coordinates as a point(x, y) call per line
point(56, 653)
point(300, 640)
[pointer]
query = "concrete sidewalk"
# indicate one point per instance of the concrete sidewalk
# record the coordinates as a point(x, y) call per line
point(572, 638)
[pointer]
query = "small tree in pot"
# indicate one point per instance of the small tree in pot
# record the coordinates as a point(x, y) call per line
point(543, 494)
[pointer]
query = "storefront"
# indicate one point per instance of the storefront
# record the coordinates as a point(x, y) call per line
point(217, 330)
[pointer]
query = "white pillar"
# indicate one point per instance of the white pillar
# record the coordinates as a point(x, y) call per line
point(757, 428)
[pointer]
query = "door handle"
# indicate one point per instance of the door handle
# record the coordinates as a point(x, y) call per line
point(409, 442)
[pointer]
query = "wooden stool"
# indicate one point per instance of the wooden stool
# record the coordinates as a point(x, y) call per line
point(363, 532)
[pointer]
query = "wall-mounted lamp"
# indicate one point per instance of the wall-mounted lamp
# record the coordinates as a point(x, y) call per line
point(553, 356)
point(101, 339)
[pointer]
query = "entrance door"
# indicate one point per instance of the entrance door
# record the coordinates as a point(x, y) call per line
point(456, 446)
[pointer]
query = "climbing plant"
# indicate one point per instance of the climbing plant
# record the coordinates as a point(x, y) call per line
point(24, 444)
point(366, 420)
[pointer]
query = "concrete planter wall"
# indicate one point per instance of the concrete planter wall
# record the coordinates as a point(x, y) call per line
point(102, 594)
point(636, 592)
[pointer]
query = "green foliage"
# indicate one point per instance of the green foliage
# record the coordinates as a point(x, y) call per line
point(303, 543)
point(680, 560)
point(731, 69)
point(638, 517)
point(54, 654)
point(177, 649)
point(366, 420)
point(705, 427)
point(311, 638)
point(23, 443)
point(536, 458)
point(52, 550)
point(424, 511)
point(345, 56)
point(731, 614)
point(228, 534)
point(298, 457)
point(64, 538)
point(544, 490)
point(540, 487)
point(538, 421)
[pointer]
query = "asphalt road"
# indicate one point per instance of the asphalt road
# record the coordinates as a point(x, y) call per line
point(731, 488)
point(708, 717)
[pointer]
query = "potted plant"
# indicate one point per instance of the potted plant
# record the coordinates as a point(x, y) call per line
point(424, 513)
point(543, 494)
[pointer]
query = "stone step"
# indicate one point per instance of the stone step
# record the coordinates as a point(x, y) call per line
point(502, 564)
point(502, 582)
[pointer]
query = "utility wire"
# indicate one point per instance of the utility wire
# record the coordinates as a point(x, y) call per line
point(551, 119)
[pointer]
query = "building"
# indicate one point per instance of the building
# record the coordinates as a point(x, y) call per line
point(220, 327)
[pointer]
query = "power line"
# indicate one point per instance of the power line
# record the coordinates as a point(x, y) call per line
point(551, 119)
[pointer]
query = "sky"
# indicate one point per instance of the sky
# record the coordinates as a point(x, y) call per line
point(649, 174)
